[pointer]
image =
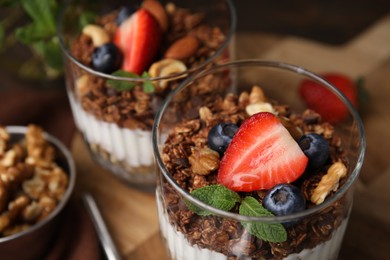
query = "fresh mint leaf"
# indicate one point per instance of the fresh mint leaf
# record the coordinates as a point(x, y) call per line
point(217, 196)
point(122, 85)
point(147, 85)
point(51, 53)
point(42, 12)
point(32, 33)
point(268, 232)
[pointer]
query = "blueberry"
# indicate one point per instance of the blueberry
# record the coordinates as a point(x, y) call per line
point(284, 199)
point(106, 58)
point(220, 136)
point(124, 13)
point(316, 148)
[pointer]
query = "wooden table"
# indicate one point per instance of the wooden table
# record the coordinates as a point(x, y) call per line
point(131, 215)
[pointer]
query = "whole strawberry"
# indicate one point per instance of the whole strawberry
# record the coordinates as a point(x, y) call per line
point(324, 102)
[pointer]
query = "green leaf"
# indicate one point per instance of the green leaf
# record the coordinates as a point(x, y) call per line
point(148, 86)
point(42, 12)
point(31, 33)
point(217, 196)
point(268, 232)
point(122, 85)
point(50, 52)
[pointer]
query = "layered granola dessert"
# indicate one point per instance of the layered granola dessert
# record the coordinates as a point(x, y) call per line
point(247, 173)
point(124, 63)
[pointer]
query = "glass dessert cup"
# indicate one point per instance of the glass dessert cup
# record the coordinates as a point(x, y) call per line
point(313, 233)
point(116, 124)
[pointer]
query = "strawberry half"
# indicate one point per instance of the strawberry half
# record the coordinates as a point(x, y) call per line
point(138, 37)
point(261, 155)
point(324, 102)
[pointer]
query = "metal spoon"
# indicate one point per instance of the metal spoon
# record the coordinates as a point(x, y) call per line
point(108, 245)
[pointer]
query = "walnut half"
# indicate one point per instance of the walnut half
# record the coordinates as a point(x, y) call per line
point(329, 182)
point(203, 160)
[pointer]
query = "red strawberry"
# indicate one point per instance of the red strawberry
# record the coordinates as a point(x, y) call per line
point(138, 37)
point(261, 155)
point(324, 102)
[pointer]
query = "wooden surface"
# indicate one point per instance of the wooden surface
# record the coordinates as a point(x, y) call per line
point(131, 215)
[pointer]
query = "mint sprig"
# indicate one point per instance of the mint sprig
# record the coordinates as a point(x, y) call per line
point(217, 196)
point(122, 85)
point(38, 33)
point(220, 197)
point(268, 232)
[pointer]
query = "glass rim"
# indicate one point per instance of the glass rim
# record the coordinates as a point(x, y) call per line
point(67, 195)
point(224, 45)
point(266, 64)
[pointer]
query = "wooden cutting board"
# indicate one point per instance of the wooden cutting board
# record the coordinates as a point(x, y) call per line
point(131, 215)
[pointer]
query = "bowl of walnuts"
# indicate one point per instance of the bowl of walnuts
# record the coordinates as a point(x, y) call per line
point(37, 178)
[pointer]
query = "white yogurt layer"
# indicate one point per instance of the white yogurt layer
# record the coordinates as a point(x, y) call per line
point(181, 249)
point(131, 146)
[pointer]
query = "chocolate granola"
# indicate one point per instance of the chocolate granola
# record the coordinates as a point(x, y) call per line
point(228, 236)
point(134, 109)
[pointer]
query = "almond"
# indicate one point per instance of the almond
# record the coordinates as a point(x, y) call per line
point(183, 48)
point(158, 11)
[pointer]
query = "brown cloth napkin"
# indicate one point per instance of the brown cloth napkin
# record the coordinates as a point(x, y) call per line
point(48, 107)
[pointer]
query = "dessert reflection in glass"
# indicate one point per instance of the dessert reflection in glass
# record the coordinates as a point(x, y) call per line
point(248, 171)
point(121, 64)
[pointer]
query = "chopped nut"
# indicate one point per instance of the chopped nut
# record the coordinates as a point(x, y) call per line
point(4, 137)
point(205, 114)
point(165, 68)
point(4, 134)
point(243, 99)
point(257, 95)
point(329, 182)
point(17, 205)
point(83, 85)
point(37, 146)
point(32, 211)
point(34, 187)
point(9, 158)
point(189, 127)
point(98, 35)
point(13, 176)
point(203, 161)
point(254, 108)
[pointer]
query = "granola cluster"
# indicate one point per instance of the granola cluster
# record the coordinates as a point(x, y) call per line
point(193, 165)
point(31, 183)
point(133, 108)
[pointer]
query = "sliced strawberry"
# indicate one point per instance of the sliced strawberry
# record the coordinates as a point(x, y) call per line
point(261, 155)
point(138, 37)
point(324, 102)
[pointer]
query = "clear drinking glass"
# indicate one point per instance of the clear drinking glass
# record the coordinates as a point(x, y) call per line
point(314, 233)
point(116, 124)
